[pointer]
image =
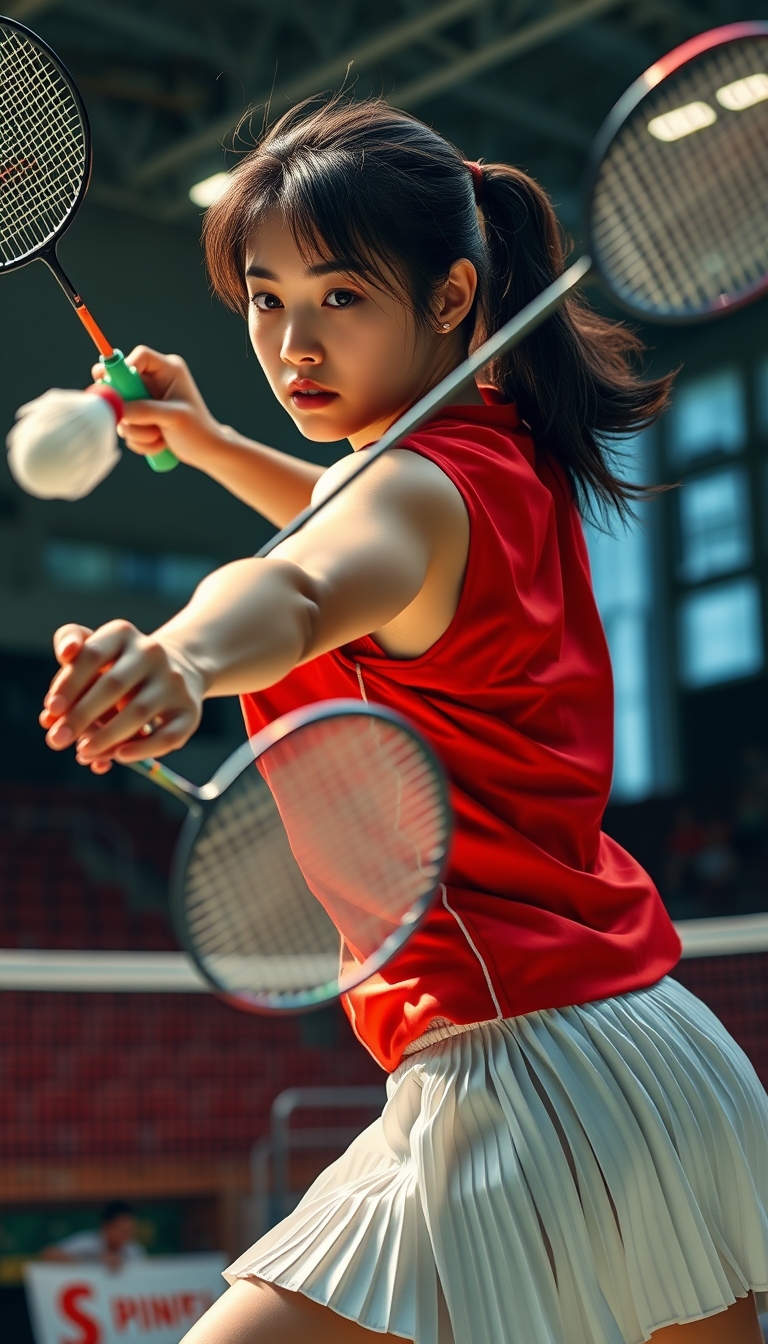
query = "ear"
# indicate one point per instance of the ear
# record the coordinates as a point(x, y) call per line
point(458, 294)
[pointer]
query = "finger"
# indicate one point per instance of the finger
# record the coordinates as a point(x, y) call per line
point(169, 737)
point(100, 767)
point(97, 372)
point(98, 652)
point(149, 441)
point(138, 436)
point(123, 739)
point(158, 371)
point(68, 640)
point(102, 703)
point(153, 703)
point(148, 412)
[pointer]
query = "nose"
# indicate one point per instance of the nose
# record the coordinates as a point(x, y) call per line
point(299, 345)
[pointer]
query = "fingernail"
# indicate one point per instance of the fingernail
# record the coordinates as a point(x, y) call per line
point(61, 736)
point(56, 705)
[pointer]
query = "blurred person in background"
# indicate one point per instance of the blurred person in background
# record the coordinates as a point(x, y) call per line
point(113, 1243)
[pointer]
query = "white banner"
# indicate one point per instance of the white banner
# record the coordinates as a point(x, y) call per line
point(155, 1301)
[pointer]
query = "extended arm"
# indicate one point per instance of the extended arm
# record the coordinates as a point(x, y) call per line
point(349, 572)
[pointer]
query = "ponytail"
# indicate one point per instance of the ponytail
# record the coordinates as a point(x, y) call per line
point(573, 377)
point(363, 181)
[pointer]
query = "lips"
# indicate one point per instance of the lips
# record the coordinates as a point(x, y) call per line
point(308, 396)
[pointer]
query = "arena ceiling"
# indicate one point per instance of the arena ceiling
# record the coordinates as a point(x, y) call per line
point(526, 81)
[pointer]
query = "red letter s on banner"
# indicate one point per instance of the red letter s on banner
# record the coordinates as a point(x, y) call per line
point(71, 1311)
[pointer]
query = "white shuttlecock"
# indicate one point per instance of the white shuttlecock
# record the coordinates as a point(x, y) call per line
point(64, 443)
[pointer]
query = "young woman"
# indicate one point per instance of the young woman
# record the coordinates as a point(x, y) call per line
point(573, 1151)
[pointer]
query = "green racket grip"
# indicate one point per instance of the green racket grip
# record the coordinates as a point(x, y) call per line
point(128, 384)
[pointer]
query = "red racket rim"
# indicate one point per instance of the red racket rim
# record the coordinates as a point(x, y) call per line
point(619, 114)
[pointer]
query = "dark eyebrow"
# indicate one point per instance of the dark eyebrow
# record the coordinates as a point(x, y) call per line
point(337, 266)
point(261, 273)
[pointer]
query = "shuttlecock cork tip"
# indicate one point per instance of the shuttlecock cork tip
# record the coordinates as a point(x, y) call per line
point(109, 395)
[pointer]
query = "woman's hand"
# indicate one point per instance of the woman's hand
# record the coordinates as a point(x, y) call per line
point(177, 418)
point(120, 695)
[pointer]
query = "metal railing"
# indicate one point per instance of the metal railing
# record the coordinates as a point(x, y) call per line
point(273, 1199)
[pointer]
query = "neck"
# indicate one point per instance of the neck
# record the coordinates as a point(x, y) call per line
point(469, 395)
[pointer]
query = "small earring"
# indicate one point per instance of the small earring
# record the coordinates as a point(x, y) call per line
point(446, 326)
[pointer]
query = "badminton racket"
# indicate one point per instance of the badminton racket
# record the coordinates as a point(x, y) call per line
point(45, 168)
point(675, 209)
point(310, 857)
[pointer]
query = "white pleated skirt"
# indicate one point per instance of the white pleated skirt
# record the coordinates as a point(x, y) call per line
point(579, 1175)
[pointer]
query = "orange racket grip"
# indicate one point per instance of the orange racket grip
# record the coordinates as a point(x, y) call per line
point(94, 331)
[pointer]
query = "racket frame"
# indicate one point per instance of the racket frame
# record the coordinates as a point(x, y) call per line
point(47, 251)
point(199, 798)
point(619, 114)
point(126, 380)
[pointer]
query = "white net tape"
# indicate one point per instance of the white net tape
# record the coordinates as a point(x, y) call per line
point(43, 154)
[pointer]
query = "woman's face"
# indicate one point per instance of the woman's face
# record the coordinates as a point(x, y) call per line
point(343, 358)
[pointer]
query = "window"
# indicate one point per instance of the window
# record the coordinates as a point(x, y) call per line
point(622, 574)
point(84, 566)
point(762, 397)
point(714, 525)
point(721, 633)
point(708, 416)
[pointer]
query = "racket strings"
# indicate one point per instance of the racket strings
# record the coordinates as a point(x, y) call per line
point(291, 886)
point(678, 225)
point(44, 155)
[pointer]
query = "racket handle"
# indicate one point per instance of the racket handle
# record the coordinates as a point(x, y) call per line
point(125, 380)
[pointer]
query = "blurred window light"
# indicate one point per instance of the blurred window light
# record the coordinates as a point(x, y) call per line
point(721, 635)
point(682, 121)
point(762, 396)
point(622, 576)
point(84, 566)
point(81, 566)
point(209, 190)
point(743, 92)
point(708, 415)
point(715, 533)
point(179, 575)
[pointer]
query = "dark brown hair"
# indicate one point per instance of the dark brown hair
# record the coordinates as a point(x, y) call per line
point(383, 192)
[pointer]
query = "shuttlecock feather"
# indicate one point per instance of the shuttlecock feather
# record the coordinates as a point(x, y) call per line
point(64, 443)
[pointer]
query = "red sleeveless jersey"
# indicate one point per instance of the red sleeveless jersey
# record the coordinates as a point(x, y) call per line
point(540, 908)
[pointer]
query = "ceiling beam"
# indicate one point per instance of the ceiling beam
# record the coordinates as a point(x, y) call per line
point(384, 43)
point(603, 43)
point(533, 117)
point(148, 30)
point(500, 50)
point(24, 10)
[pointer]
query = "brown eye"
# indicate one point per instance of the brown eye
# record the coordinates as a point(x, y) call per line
point(341, 298)
point(266, 303)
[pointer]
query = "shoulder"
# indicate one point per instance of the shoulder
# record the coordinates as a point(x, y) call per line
point(403, 477)
point(81, 1243)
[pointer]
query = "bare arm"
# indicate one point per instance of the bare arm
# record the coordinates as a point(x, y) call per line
point(351, 570)
point(276, 484)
